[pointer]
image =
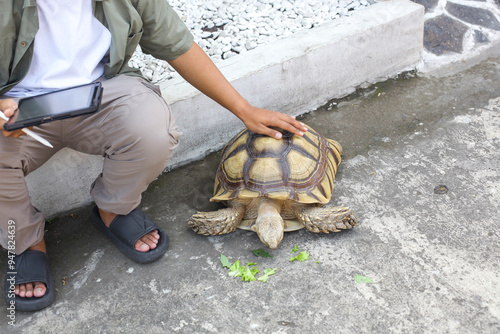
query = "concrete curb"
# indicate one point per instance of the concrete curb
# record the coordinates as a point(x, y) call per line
point(293, 75)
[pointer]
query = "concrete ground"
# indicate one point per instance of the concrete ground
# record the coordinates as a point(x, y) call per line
point(421, 171)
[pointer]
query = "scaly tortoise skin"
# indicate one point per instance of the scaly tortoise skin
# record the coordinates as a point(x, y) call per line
point(271, 186)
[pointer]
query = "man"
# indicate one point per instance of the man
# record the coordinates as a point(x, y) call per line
point(54, 44)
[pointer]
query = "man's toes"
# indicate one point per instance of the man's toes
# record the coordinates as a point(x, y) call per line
point(152, 244)
point(22, 290)
point(154, 235)
point(151, 240)
point(29, 290)
point(141, 246)
point(147, 242)
point(39, 290)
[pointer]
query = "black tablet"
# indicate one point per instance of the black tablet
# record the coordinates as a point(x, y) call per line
point(60, 104)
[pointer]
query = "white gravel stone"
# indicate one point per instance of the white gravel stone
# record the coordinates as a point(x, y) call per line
point(228, 54)
point(226, 28)
point(239, 49)
point(250, 45)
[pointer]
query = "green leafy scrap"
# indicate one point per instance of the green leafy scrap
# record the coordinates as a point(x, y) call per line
point(267, 272)
point(236, 270)
point(261, 252)
point(303, 256)
point(249, 274)
point(363, 279)
point(249, 271)
point(224, 261)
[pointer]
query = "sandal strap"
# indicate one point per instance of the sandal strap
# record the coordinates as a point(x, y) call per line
point(31, 266)
point(130, 228)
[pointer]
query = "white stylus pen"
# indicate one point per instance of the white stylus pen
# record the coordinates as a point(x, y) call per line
point(29, 132)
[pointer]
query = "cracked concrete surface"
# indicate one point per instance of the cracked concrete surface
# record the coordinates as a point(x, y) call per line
point(432, 252)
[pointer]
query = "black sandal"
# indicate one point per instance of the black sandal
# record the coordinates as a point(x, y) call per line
point(125, 230)
point(29, 267)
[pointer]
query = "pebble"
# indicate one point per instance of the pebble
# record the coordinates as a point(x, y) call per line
point(228, 54)
point(224, 29)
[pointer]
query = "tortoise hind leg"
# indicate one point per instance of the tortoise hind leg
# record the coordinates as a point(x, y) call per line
point(326, 219)
point(217, 222)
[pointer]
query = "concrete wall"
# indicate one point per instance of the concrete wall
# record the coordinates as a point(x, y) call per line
point(293, 75)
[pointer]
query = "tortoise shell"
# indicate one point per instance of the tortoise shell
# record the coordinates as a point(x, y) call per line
point(300, 169)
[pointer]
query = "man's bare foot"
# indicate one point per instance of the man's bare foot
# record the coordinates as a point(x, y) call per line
point(144, 244)
point(36, 289)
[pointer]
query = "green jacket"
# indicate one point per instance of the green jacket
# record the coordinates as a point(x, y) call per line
point(151, 23)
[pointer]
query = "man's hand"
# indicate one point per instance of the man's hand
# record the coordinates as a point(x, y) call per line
point(8, 106)
point(262, 120)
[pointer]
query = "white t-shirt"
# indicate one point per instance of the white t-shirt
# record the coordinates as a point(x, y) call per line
point(69, 47)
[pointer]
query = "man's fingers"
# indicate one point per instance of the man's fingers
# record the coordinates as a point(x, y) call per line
point(292, 125)
point(282, 125)
point(14, 134)
point(9, 111)
point(8, 107)
point(266, 130)
point(264, 121)
point(288, 127)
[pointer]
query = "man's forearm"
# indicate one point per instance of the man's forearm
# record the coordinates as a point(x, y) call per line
point(199, 70)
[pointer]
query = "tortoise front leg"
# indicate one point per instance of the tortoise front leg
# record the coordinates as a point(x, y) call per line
point(218, 222)
point(325, 219)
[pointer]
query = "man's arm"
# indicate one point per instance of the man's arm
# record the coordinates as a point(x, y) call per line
point(199, 70)
point(8, 106)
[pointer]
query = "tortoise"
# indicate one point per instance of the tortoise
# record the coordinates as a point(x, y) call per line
point(271, 186)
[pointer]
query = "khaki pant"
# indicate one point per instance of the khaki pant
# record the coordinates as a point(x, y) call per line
point(135, 132)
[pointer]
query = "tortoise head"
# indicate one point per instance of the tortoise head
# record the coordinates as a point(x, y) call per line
point(270, 230)
point(269, 224)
